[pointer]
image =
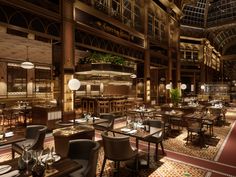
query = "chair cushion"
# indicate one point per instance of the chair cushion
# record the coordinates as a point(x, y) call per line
point(79, 172)
point(18, 147)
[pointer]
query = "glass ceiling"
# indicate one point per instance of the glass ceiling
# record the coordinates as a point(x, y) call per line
point(217, 17)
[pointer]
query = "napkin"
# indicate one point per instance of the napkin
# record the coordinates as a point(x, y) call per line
point(11, 174)
point(125, 129)
point(9, 134)
point(132, 131)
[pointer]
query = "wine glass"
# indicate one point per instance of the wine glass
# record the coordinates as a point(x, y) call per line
point(128, 122)
point(26, 156)
point(50, 160)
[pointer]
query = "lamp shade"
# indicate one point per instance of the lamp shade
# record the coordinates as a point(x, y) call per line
point(133, 76)
point(183, 86)
point(27, 65)
point(74, 84)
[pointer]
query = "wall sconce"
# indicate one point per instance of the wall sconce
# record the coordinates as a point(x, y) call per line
point(148, 90)
point(101, 88)
point(169, 86)
point(192, 87)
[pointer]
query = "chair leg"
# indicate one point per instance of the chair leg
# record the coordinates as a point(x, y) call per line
point(187, 137)
point(162, 148)
point(12, 154)
point(148, 160)
point(156, 152)
point(103, 165)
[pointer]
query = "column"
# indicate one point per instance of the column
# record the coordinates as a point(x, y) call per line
point(67, 64)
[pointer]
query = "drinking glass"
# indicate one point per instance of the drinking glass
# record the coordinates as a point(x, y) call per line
point(26, 156)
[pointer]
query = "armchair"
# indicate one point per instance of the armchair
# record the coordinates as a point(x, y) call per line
point(85, 152)
point(118, 149)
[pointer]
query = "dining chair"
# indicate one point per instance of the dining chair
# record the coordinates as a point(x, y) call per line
point(209, 124)
point(156, 138)
point(195, 126)
point(10, 116)
point(108, 125)
point(84, 152)
point(118, 149)
point(35, 135)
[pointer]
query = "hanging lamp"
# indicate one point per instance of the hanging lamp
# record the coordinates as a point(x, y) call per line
point(27, 64)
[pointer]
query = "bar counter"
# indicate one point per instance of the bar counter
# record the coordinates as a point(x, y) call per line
point(104, 104)
point(46, 115)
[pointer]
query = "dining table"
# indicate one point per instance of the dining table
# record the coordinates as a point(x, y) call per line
point(89, 121)
point(142, 112)
point(61, 168)
point(11, 137)
point(139, 133)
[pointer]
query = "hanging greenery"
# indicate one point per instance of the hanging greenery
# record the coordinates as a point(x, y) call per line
point(97, 57)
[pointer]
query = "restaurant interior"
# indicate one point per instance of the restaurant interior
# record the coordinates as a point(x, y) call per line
point(117, 88)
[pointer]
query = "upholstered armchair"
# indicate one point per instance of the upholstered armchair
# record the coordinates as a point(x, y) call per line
point(85, 152)
point(118, 149)
point(35, 135)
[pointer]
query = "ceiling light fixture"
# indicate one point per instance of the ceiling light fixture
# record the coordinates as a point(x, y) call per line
point(27, 64)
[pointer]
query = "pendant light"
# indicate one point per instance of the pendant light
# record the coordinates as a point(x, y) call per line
point(27, 64)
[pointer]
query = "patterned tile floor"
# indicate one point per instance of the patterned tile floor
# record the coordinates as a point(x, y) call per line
point(165, 167)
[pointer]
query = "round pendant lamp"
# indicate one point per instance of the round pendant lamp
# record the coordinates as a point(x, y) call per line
point(27, 64)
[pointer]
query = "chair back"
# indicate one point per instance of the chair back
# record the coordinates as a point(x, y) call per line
point(117, 148)
point(111, 119)
point(37, 132)
point(194, 124)
point(85, 149)
point(153, 124)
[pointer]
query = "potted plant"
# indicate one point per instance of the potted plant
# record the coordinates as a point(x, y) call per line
point(175, 96)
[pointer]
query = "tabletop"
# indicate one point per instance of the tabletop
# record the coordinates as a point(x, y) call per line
point(90, 121)
point(139, 133)
point(12, 139)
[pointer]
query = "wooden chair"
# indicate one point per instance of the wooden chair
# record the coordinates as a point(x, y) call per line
point(103, 107)
point(194, 126)
point(156, 138)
